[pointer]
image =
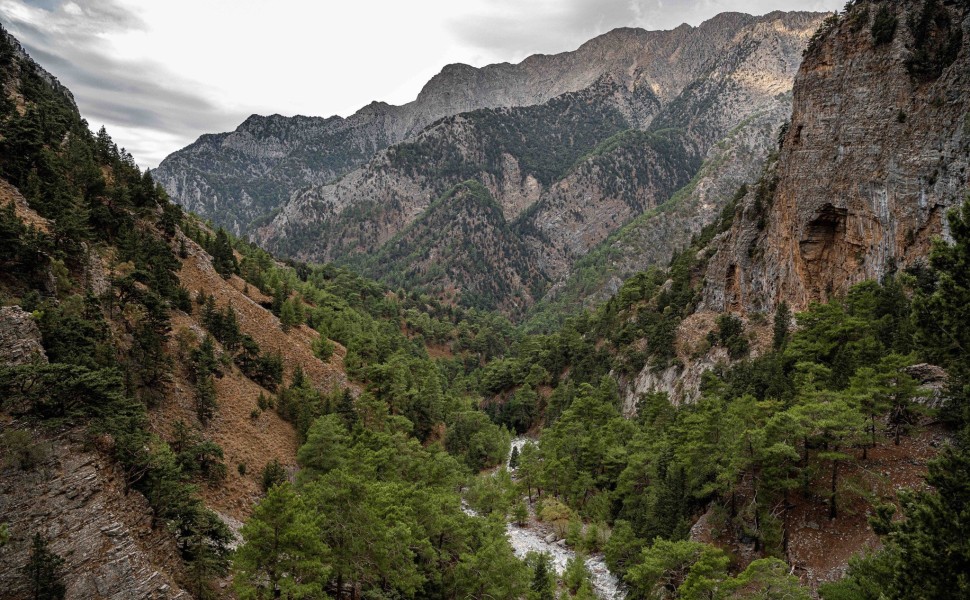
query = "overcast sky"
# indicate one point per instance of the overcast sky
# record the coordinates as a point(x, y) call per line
point(159, 73)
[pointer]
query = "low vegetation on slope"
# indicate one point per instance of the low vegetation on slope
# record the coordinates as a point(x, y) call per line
point(458, 238)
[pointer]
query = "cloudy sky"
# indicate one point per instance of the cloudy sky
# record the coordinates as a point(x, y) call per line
point(160, 73)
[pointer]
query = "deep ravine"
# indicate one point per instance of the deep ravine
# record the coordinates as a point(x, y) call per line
point(533, 536)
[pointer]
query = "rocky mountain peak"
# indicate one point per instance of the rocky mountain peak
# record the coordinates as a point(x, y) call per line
point(240, 183)
point(567, 172)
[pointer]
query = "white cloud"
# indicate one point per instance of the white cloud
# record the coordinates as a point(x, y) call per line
point(159, 74)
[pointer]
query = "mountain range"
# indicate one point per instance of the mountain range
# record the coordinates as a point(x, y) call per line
point(739, 255)
point(570, 147)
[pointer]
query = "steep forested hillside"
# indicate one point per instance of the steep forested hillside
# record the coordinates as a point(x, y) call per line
point(184, 415)
point(156, 382)
point(459, 236)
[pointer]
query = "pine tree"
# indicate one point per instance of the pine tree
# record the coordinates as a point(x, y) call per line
point(204, 359)
point(943, 311)
point(223, 259)
point(767, 578)
point(273, 474)
point(781, 325)
point(543, 578)
point(346, 410)
point(291, 313)
point(44, 571)
point(576, 572)
point(205, 399)
point(835, 425)
point(514, 458)
point(520, 514)
point(283, 555)
point(204, 548)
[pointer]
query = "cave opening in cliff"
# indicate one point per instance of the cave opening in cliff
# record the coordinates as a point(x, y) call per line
point(823, 231)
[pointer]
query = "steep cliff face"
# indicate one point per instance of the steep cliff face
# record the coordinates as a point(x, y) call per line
point(78, 500)
point(876, 152)
point(20, 340)
point(571, 171)
point(236, 178)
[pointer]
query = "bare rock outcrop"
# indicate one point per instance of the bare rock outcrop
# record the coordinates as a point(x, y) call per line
point(20, 339)
point(876, 153)
point(932, 381)
point(76, 501)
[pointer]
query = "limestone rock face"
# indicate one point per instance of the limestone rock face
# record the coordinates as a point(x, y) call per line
point(876, 153)
point(20, 340)
point(76, 502)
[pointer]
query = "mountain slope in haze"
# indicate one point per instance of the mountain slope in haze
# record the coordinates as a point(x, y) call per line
point(572, 170)
point(648, 240)
point(464, 229)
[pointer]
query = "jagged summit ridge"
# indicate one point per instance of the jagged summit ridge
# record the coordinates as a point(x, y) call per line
point(572, 170)
point(235, 182)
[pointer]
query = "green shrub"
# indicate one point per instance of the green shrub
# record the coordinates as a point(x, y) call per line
point(44, 571)
point(20, 449)
point(884, 26)
point(273, 474)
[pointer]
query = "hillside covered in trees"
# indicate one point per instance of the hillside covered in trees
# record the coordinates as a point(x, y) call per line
point(223, 423)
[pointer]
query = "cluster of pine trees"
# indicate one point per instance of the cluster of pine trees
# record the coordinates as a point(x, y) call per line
point(377, 508)
point(794, 425)
point(106, 347)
